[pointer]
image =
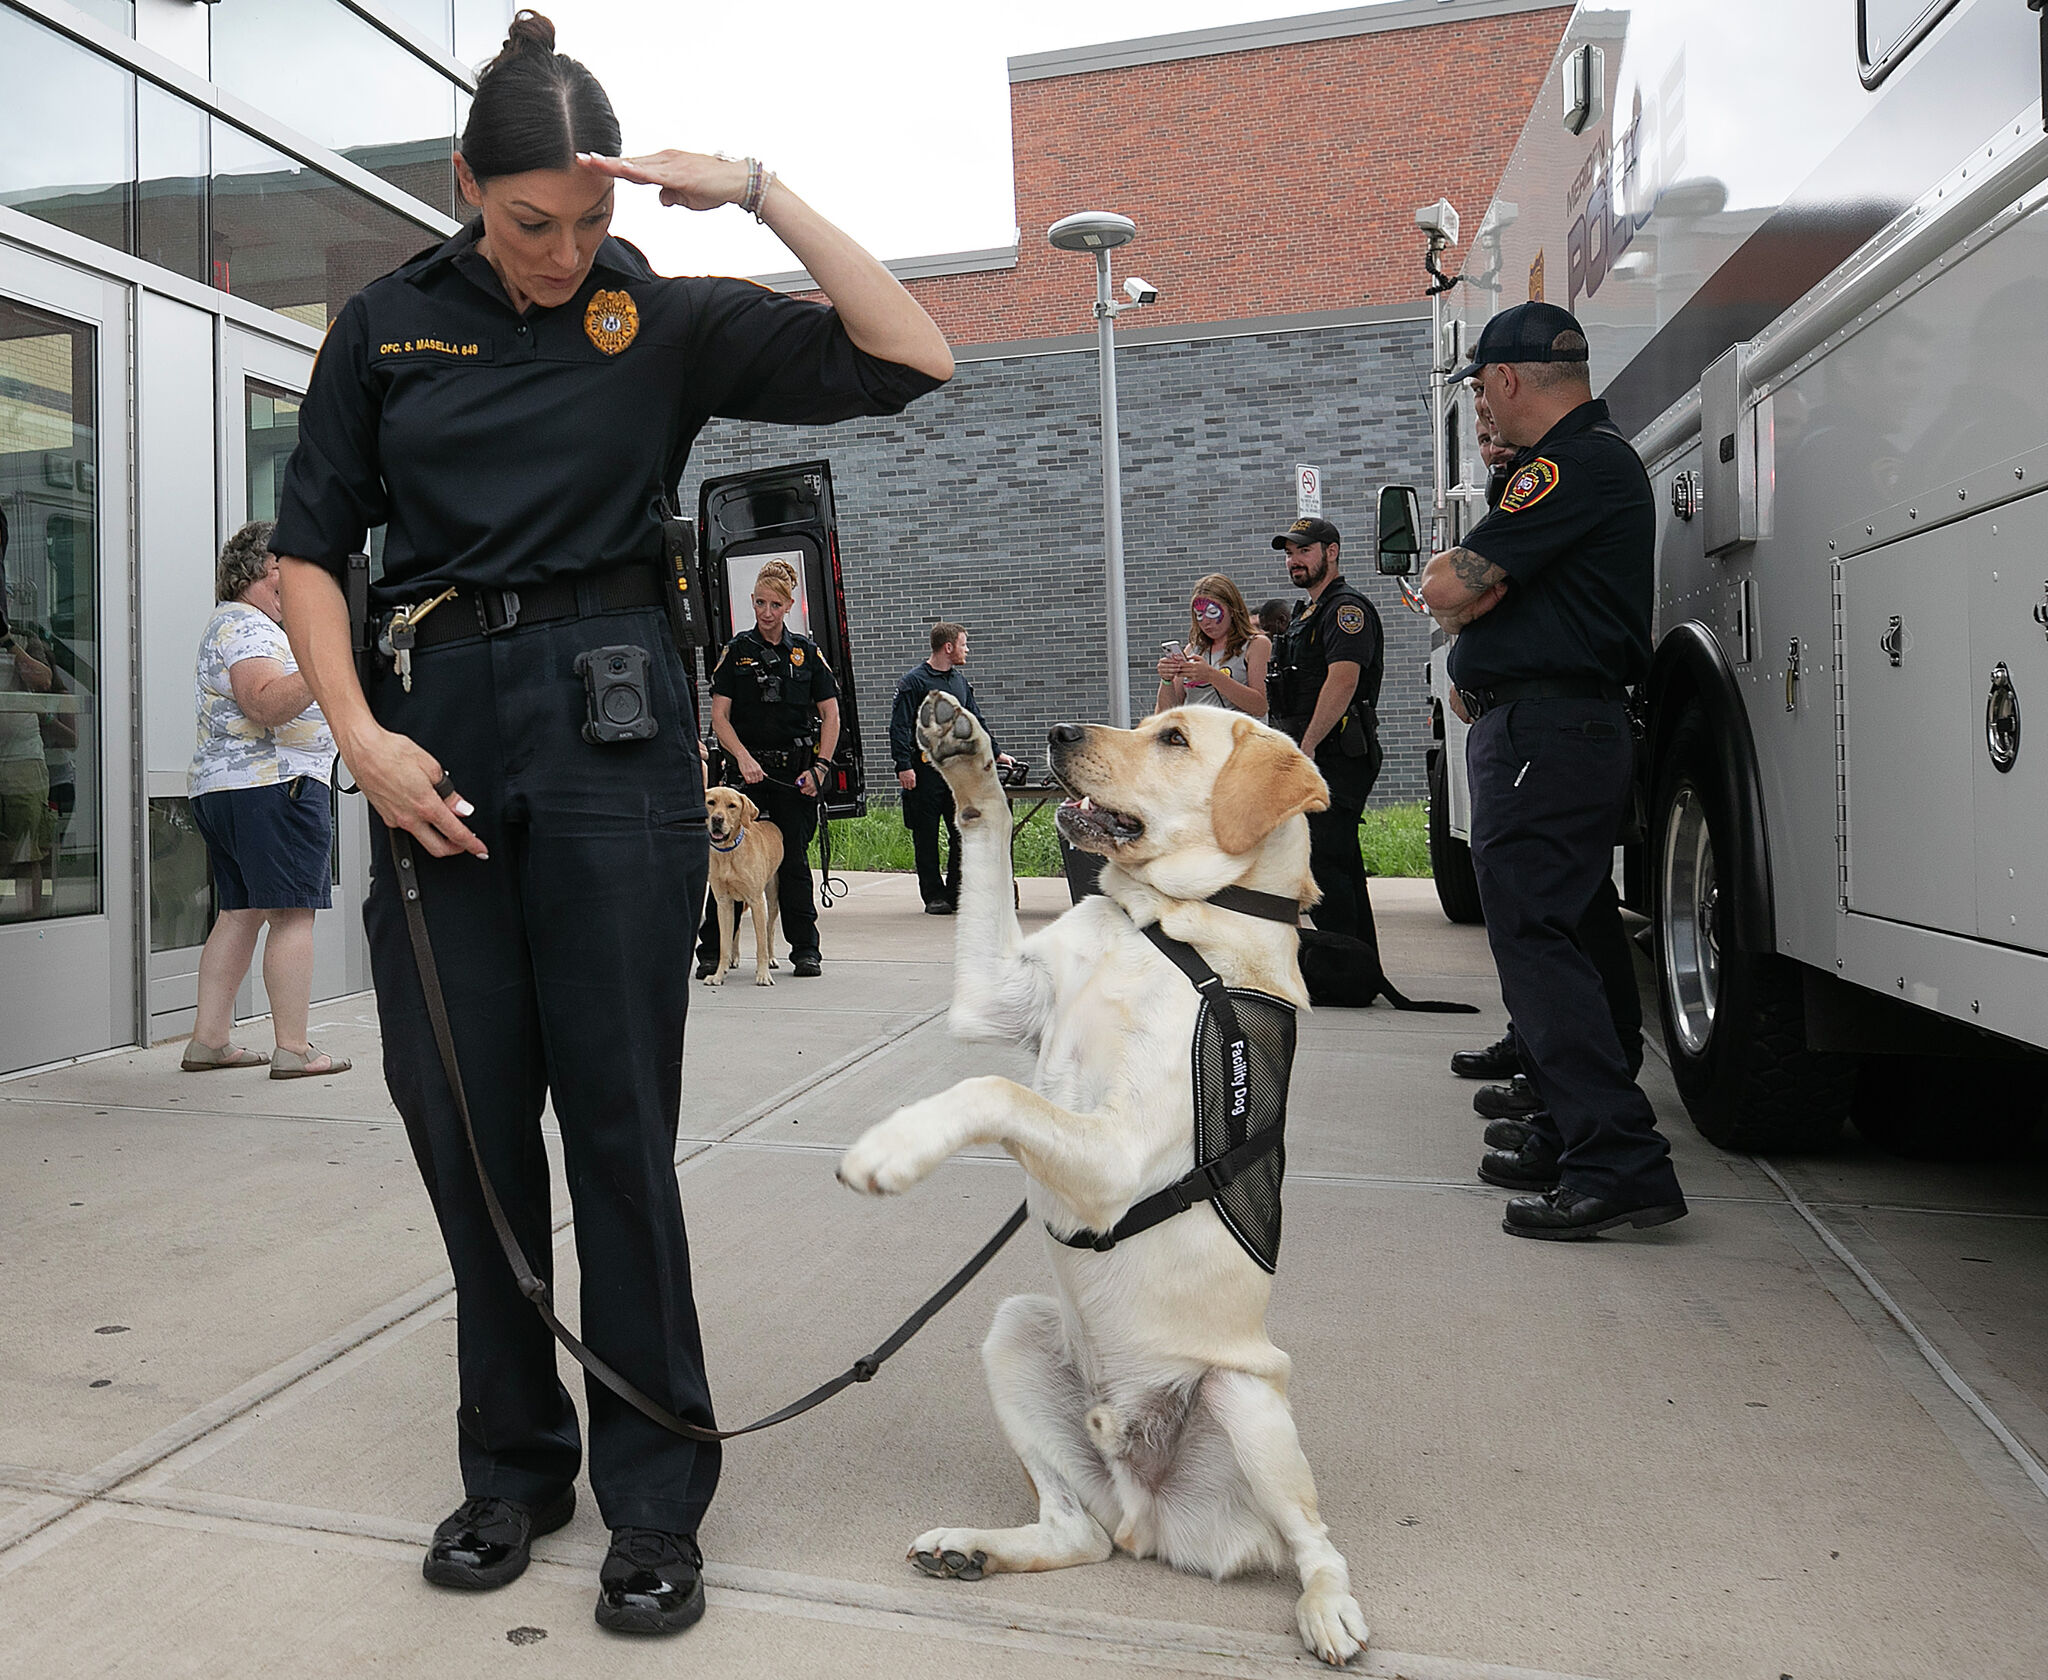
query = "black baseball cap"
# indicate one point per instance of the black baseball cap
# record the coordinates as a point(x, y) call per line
point(1523, 334)
point(1306, 531)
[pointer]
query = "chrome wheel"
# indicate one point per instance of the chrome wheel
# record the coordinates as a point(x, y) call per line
point(1689, 905)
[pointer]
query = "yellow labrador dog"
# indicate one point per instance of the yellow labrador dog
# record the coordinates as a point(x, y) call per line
point(1145, 1399)
point(746, 851)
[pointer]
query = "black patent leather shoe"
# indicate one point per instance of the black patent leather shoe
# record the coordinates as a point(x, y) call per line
point(1571, 1216)
point(1532, 1167)
point(651, 1582)
point(485, 1542)
point(1507, 1102)
point(1497, 1061)
point(1515, 1134)
point(806, 965)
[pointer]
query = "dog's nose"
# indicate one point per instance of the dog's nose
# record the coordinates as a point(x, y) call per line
point(1065, 734)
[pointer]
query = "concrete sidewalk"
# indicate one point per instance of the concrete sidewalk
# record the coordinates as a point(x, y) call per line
point(226, 1401)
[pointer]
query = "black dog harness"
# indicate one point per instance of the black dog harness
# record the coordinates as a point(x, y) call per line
point(1243, 1055)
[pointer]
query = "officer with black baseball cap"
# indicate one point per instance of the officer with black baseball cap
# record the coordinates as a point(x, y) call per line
point(1549, 597)
point(1324, 689)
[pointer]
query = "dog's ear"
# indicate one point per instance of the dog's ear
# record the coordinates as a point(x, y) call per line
point(1266, 780)
point(748, 809)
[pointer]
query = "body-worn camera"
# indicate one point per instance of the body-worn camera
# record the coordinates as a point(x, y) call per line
point(770, 683)
point(615, 691)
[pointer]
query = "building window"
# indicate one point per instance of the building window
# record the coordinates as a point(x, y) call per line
point(170, 195)
point(50, 782)
point(271, 430)
point(287, 237)
point(180, 878)
point(1887, 30)
point(430, 20)
point(67, 133)
point(350, 86)
point(117, 15)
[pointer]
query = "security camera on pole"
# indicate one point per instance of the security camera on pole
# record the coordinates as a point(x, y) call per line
point(1100, 232)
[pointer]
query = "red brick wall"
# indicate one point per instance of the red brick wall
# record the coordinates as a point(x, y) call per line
point(1267, 182)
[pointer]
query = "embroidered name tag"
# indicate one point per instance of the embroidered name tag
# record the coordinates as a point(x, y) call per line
point(441, 349)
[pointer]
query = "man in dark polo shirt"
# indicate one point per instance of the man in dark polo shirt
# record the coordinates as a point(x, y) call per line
point(1549, 597)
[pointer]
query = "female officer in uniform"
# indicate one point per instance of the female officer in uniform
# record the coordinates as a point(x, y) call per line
point(514, 407)
point(775, 710)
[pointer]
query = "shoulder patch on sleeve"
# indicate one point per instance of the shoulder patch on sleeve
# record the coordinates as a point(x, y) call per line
point(1529, 485)
point(1350, 618)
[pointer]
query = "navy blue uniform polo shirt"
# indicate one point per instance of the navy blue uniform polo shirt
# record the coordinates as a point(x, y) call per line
point(504, 449)
point(795, 667)
point(1575, 531)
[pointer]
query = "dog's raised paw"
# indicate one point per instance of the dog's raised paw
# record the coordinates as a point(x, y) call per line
point(947, 730)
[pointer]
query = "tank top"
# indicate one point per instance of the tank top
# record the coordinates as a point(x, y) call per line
point(1202, 693)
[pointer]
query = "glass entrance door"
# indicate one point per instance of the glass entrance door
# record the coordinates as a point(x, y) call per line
point(263, 381)
point(67, 784)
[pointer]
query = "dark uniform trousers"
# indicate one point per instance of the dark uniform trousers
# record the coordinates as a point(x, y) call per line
point(1550, 785)
point(925, 807)
point(557, 957)
point(1333, 855)
point(1605, 941)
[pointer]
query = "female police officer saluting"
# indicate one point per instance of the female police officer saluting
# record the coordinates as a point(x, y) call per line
point(514, 404)
point(775, 709)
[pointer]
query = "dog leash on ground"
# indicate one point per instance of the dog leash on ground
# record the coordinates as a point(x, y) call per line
point(860, 1371)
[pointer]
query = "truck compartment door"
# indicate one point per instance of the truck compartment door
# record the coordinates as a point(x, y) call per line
point(2008, 565)
point(1910, 732)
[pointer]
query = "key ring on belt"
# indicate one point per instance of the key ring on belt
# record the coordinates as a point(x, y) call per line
point(395, 642)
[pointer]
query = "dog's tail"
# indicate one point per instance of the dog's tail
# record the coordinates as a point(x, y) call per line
point(1424, 1006)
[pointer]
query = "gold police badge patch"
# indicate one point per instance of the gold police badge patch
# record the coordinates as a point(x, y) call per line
point(1350, 619)
point(1529, 485)
point(611, 321)
point(796, 656)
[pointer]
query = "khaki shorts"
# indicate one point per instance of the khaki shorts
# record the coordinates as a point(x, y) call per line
point(28, 825)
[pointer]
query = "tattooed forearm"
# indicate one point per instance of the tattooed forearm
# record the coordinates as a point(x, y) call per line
point(1474, 571)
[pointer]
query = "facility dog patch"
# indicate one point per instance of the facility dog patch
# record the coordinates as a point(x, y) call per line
point(1530, 485)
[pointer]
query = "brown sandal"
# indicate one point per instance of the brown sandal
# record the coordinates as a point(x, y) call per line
point(205, 1058)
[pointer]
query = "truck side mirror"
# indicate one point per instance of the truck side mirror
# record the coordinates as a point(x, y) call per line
point(1400, 521)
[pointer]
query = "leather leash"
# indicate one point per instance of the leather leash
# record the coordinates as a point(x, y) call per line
point(860, 1371)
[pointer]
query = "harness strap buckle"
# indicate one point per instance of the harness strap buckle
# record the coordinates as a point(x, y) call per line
point(1104, 1242)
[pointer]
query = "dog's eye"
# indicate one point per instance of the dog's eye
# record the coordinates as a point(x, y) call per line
point(1172, 738)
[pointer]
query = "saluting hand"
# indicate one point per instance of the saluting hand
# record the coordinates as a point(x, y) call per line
point(695, 180)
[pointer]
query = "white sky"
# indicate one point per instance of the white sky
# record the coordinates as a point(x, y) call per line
point(892, 117)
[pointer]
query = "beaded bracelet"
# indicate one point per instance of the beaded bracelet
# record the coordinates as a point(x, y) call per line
point(759, 180)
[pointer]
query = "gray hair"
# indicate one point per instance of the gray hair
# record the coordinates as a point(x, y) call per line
point(244, 560)
point(1548, 376)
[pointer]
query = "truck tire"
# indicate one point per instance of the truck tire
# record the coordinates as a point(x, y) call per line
point(1450, 859)
point(1734, 1021)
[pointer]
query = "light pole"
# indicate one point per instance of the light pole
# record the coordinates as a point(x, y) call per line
point(1099, 232)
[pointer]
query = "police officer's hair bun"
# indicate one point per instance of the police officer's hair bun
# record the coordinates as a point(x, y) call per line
point(778, 575)
point(535, 108)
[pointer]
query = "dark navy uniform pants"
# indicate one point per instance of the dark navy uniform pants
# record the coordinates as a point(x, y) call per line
point(560, 960)
point(1333, 857)
point(1605, 941)
point(925, 807)
point(1550, 785)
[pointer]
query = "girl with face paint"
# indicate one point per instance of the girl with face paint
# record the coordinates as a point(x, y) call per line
point(1224, 661)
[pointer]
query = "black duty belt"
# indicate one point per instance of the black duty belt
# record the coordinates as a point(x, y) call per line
point(1482, 700)
point(491, 612)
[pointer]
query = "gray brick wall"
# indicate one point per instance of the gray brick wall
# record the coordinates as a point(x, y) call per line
point(983, 503)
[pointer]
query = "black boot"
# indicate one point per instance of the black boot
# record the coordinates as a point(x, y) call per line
point(1515, 1100)
point(650, 1582)
point(1532, 1167)
point(1572, 1216)
point(1497, 1061)
point(486, 1542)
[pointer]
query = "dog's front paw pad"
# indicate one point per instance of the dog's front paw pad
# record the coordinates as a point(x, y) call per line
point(1332, 1625)
point(951, 1565)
